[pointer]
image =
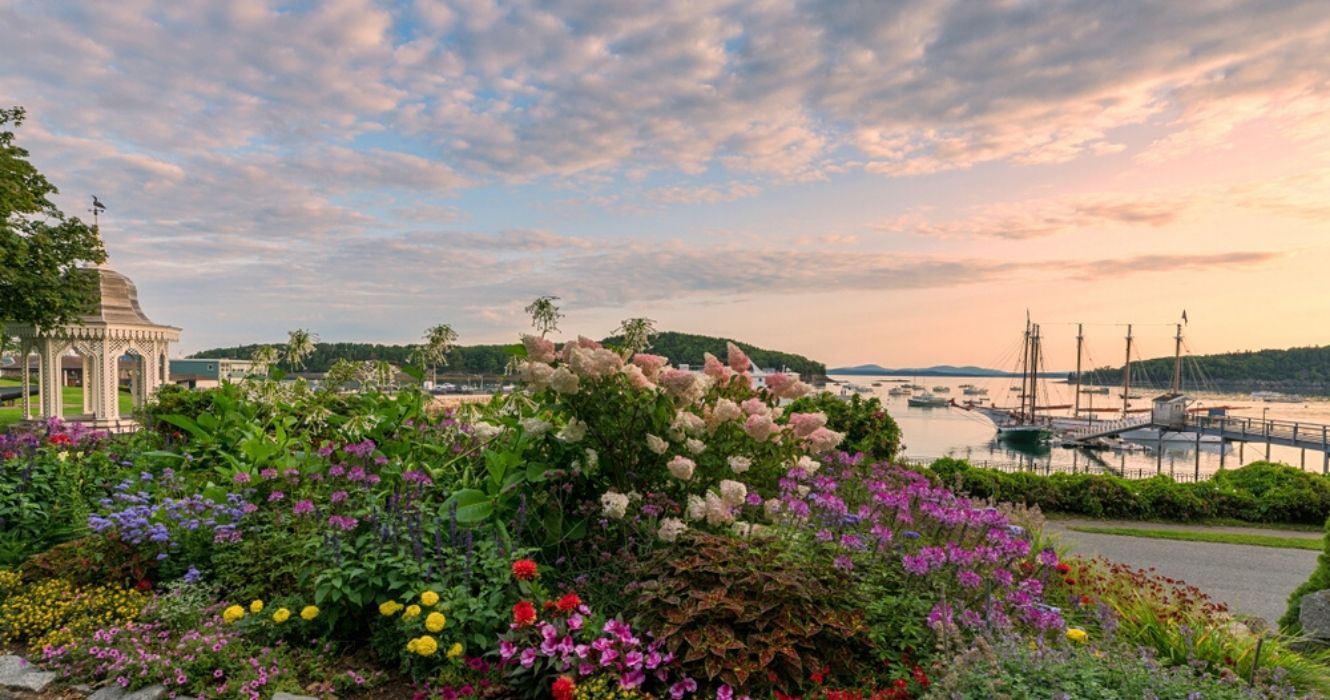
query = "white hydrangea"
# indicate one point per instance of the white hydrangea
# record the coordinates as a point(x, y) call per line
point(733, 493)
point(742, 528)
point(535, 427)
point(681, 467)
point(718, 512)
point(573, 432)
point(564, 381)
point(695, 446)
point(657, 445)
point(536, 375)
point(670, 529)
point(739, 464)
point(808, 464)
point(688, 423)
point(697, 507)
point(613, 505)
point(772, 507)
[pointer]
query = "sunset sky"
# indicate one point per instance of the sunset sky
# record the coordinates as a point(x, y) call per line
point(890, 182)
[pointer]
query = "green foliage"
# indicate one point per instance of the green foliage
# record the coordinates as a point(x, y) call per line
point(41, 251)
point(750, 613)
point(1318, 581)
point(46, 495)
point(1011, 669)
point(1260, 492)
point(868, 427)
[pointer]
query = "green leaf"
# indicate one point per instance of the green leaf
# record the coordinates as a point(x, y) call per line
point(473, 505)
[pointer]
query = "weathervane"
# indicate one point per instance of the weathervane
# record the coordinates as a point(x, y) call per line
point(97, 209)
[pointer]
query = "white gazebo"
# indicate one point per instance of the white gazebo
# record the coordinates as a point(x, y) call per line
point(116, 329)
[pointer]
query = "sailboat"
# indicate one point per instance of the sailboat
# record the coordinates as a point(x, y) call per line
point(1022, 426)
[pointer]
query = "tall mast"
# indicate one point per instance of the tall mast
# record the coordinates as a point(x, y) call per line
point(1025, 364)
point(1080, 341)
point(1126, 377)
point(1177, 363)
point(1034, 372)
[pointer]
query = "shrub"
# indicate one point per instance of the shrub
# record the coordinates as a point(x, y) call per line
point(749, 613)
point(868, 428)
point(54, 611)
point(1318, 581)
point(1258, 492)
point(1011, 668)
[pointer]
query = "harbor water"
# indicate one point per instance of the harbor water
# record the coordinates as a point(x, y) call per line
point(951, 431)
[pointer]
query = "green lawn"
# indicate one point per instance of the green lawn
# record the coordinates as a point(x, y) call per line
point(1203, 536)
point(73, 397)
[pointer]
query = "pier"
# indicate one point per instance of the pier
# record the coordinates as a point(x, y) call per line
point(1230, 429)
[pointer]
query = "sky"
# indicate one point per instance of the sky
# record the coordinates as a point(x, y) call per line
point(856, 181)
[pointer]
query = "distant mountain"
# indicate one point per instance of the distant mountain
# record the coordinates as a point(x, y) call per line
point(934, 371)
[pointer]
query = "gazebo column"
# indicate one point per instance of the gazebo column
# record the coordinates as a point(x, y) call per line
point(85, 382)
point(136, 380)
point(52, 391)
point(25, 350)
point(105, 403)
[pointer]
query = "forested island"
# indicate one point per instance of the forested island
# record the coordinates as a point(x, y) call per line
point(1303, 370)
point(683, 348)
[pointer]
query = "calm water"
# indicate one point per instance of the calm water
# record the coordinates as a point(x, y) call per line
point(930, 433)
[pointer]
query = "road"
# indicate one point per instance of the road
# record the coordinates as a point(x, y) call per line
point(1251, 580)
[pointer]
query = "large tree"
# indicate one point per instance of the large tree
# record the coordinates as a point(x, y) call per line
point(41, 250)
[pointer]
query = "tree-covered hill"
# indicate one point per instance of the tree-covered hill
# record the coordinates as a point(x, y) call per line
point(688, 348)
point(1305, 369)
point(491, 359)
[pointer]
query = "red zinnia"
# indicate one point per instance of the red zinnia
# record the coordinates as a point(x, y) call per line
point(1064, 567)
point(563, 688)
point(525, 570)
point(524, 613)
point(568, 603)
point(60, 439)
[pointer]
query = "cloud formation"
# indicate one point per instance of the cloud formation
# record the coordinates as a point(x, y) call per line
point(338, 155)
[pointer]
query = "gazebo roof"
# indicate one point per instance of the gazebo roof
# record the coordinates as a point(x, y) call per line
point(118, 301)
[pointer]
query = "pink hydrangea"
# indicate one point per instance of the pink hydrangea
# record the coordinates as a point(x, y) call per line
point(760, 427)
point(650, 364)
point(804, 424)
point(637, 378)
point(677, 382)
point(755, 407)
point(824, 440)
point(738, 361)
point(538, 349)
point(713, 368)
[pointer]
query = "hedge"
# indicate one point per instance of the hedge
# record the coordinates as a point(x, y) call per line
point(1261, 492)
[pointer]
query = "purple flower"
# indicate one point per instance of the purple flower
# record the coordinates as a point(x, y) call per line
point(240, 478)
point(303, 507)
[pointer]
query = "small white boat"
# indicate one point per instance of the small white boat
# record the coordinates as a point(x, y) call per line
point(939, 389)
point(975, 391)
point(928, 401)
point(898, 391)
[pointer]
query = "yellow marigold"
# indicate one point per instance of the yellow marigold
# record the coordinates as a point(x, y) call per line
point(256, 607)
point(455, 650)
point(429, 599)
point(412, 612)
point(435, 621)
point(233, 613)
point(427, 645)
point(389, 608)
point(282, 615)
point(1077, 635)
point(411, 646)
point(309, 612)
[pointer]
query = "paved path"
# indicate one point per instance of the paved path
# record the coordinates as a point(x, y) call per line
point(1251, 580)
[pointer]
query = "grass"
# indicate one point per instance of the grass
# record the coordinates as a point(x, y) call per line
point(1206, 522)
point(73, 399)
point(1200, 536)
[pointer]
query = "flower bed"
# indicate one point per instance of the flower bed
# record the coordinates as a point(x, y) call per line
point(621, 528)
